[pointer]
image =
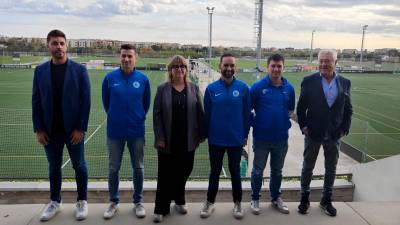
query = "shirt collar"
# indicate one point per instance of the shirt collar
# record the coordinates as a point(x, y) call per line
point(334, 75)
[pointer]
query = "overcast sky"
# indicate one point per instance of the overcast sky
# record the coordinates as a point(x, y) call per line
point(286, 23)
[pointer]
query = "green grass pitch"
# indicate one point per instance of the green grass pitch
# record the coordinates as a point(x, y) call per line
point(375, 128)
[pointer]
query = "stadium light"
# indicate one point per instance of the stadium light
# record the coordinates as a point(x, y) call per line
point(210, 11)
point(311, 49)
point(362, 44)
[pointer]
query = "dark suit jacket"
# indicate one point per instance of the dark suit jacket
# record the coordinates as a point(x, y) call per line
point(76, 98)
point(162, 115)
point(313, 110)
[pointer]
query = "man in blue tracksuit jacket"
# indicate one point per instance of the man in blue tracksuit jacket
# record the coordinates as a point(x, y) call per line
point(126, 100)
point(273, 101)
point(227, 110)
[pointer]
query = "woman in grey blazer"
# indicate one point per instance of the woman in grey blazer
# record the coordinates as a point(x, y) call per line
point(178, 128)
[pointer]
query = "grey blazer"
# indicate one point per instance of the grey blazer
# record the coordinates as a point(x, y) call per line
point(162, 116)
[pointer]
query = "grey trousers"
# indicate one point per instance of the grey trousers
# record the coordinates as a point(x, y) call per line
point(331, 153)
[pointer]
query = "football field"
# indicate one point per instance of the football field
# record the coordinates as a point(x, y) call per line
point(22, 157)
point(375, 128)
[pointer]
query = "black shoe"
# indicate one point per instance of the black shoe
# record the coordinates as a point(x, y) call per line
point(328, 208)
point(304, 205)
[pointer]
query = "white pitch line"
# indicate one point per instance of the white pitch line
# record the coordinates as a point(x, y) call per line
point(94, 132)
point(377, 113)
point(223, 172)
point(377, 121)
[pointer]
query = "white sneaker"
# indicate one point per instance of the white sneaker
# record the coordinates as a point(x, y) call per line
point(207, 210)
point(139, 210)
point(255, 207)
point(279, 205)
point(182, 209)
point(81, 210)
point(111, 210)
point(51, 209)
point(157, 218)
point(238, 212)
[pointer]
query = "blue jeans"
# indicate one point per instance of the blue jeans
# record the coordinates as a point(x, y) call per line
point(278, 153)
point(54, 154)
point(331, 153)
point(115, 152)
point(216, 154)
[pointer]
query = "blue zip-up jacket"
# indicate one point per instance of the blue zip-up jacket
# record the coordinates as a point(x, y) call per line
point(271, 106)
point(227, 113)
point(126, 100)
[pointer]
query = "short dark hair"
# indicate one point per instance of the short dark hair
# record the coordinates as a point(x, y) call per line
point(275, 57)
point(127, 47)
point(55, 33)
point(225, 55)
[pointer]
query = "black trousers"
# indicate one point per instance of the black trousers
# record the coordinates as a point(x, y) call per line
point(216, 154)
point(173, 171)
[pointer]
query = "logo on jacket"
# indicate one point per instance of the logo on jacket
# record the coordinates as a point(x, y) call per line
point(136, 84)
point(116, 84)
point(264, 91)
point(235, 93)
point(217, 94)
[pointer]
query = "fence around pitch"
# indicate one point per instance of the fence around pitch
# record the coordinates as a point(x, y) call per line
point(21, 157)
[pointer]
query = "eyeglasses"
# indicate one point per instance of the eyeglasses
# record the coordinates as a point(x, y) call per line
point(178, 66)
point(229, 65)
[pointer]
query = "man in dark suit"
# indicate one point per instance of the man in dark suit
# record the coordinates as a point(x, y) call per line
point(324, 114)
point(60, 114)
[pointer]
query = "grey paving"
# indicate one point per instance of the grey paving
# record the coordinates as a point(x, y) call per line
point(378, 213)
point(18, 214)
point(355, 213)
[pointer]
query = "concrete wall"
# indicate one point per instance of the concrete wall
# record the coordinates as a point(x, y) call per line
point(378, 180)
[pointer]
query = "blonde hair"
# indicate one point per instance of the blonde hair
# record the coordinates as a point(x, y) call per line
point(176, 60)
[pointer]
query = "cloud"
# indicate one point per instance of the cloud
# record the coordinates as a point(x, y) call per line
point(395, 13)
point(187, 20)
point(336, 3)
point(89, 8)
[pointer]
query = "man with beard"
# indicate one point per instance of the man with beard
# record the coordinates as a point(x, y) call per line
point(324, 113)
point(227, 113)
point(60, 114)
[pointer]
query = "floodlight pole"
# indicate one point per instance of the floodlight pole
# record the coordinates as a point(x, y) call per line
point(362, 45)
point(210, 11)
point(258, 32)
point(311, 49)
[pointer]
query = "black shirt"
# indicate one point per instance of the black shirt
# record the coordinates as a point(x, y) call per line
point(57, 82)
point(179, 136)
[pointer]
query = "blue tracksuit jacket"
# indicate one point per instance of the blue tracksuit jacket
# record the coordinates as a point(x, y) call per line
point(126, 100)
point(271, 106)
point(227, 110)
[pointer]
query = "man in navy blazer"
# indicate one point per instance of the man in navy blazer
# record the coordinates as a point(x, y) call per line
point(324, 113)
point(60, 114)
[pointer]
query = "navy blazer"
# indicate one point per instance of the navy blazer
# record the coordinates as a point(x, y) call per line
point(76, 98)
point(314, 113)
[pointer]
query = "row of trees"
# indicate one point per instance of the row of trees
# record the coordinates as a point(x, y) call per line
point(11, 45)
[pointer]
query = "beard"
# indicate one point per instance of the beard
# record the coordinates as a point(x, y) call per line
point(227, 74)
point(58, 54)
